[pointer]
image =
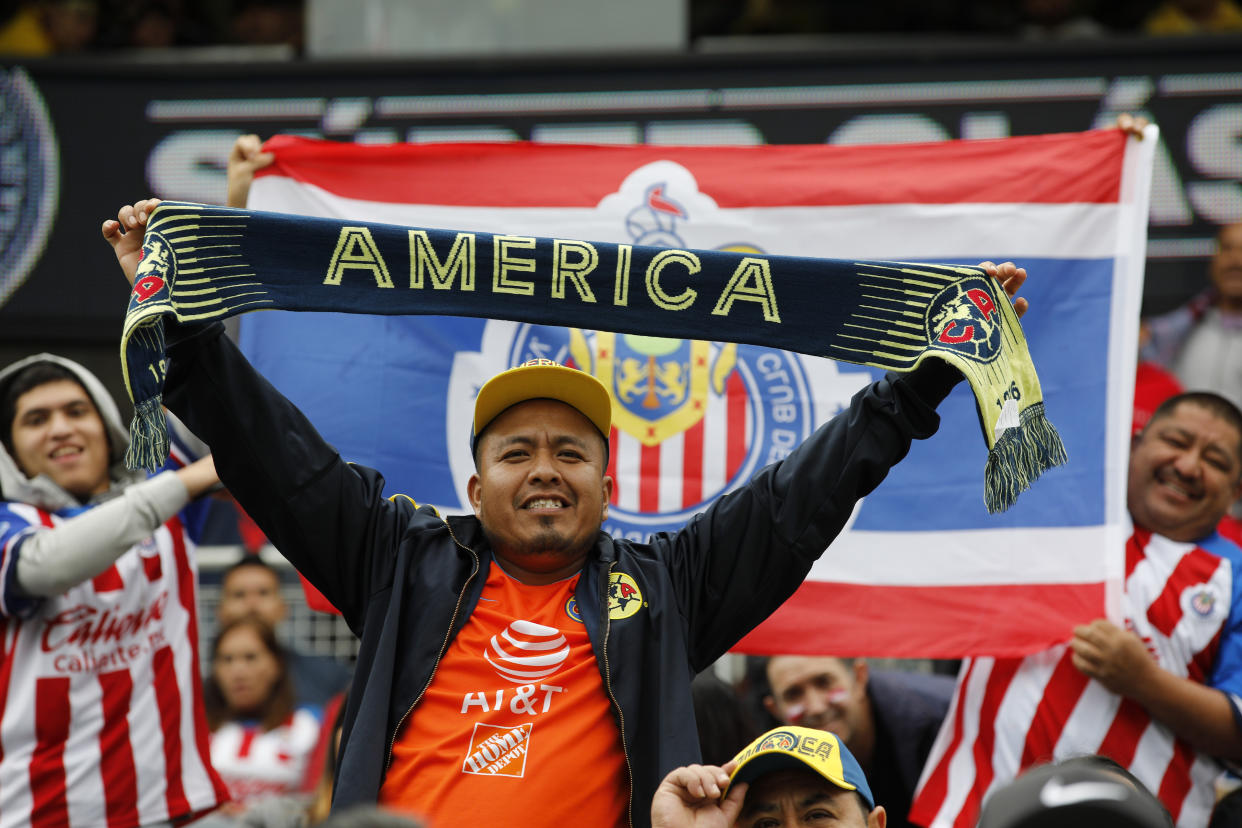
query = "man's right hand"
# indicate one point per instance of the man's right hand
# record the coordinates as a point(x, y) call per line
point(125, 234)
point(246, 158)
point(689, 797)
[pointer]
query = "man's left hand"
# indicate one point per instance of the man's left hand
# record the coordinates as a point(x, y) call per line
point(1011, 278)
point(1114, 657)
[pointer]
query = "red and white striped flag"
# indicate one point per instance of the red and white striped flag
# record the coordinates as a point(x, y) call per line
point(922, 569)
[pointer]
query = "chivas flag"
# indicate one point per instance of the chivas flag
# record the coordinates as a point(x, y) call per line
point(922, 569)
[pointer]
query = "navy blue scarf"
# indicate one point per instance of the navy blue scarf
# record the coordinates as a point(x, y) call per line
point(205, 263)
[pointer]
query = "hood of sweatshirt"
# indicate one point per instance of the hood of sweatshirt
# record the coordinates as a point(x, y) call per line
point(42, 491)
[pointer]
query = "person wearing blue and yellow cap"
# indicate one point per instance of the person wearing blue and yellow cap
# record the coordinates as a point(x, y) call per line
point(790, 777)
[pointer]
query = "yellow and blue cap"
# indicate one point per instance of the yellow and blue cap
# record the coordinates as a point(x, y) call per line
point(793, 747)
point(542, 379)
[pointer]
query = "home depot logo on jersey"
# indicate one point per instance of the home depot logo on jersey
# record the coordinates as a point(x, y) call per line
point(498, 751)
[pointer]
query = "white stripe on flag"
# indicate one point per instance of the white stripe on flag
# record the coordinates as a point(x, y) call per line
point(865, 231)
point(978, 556)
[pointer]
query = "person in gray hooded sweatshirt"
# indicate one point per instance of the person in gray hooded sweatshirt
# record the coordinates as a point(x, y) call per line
point(101, 722)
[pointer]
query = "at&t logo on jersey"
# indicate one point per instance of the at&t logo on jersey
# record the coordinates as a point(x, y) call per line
point(525, 652)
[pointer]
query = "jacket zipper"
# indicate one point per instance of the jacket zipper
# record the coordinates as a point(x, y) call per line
point(629, 771)
point(443, 647)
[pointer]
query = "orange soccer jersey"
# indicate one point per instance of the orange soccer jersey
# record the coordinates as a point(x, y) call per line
point(516, 727)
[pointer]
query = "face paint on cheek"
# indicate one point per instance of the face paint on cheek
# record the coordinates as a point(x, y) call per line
point(837, 695)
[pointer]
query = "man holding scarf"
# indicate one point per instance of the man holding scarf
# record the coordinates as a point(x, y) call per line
point(518, 665)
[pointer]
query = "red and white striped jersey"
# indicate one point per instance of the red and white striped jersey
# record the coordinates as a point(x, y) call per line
point(256, 763)
point(101, 718)
point(1185, 602)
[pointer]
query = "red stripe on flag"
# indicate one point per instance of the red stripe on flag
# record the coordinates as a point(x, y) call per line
point(1176, 782)
point(649, 478)
point(692, 466)
point(735, 433)
point(930, 797)
point(1121, 742)
point(168, 699)
point(47, 765)
point(1065, 687)
point(1195, 567)
point(1053, 169)
point(1134, 550)
point(186, 586)
point(1022, 619)
point(1002, 674)
point(614, 443)
point(120, 779)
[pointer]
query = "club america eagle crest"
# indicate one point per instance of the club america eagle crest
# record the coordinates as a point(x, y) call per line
point(692, 420)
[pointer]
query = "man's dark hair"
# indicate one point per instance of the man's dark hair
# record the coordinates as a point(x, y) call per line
point(1210, 402)
point(246, 560)
point(27, 379)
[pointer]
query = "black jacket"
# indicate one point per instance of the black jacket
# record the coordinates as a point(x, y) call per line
point(406, 580)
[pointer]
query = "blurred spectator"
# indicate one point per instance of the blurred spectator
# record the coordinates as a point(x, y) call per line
point(1080, 791)
point(156, 24)
point(1186, 17)
point(261, 740)
point(1201, 342)
point(269, 22)
point(1163, 695)
point(47, 27)
point(889, 719)
point(725, 726)
point(99, 613)
point(1056, 20)
point(252, 587)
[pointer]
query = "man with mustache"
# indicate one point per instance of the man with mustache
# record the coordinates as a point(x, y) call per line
point(1161, 696)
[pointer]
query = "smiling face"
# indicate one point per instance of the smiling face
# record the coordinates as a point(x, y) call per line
point(540, 491)
point(245, 670)
point(57, 431)
point(803, 799)
point(1185, 470)
point(820, 692)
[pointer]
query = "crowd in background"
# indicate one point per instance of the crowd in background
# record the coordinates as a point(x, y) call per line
point(50, 27)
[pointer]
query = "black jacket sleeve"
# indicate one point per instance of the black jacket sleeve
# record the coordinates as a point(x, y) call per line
point(735, 563)
point(328, 517)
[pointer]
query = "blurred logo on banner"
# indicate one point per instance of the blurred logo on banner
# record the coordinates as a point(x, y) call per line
point(29, 178)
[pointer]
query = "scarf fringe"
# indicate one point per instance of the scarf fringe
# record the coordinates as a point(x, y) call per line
point(1019, 457)
point(148, 436)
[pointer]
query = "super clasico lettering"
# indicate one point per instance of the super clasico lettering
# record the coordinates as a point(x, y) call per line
point(666, 278)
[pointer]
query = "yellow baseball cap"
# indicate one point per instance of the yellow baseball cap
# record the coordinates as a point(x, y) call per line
point(542, 379)
point(802, 747)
